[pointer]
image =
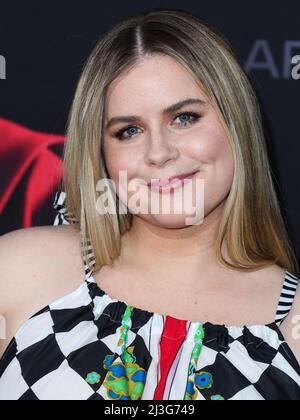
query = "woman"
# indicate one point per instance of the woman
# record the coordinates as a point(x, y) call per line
point(167, 309)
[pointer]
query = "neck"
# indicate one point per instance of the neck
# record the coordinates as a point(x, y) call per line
point(171, 252)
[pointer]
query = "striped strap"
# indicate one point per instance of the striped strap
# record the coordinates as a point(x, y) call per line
point(89, 262)
point(58, 204)
point(64, 218)
point(286, 298)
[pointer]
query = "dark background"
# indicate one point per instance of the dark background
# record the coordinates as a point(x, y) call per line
point(45, 44)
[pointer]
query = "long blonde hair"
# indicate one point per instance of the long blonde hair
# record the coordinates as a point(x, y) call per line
point(251, 223)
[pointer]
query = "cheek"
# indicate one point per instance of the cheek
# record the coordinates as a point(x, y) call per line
point(221, 156)
point(213, 151)
point(212, 144)
point(114, 162)
point(120, 161)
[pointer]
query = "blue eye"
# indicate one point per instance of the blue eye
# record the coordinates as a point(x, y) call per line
point(189, 114)
point(130, 129)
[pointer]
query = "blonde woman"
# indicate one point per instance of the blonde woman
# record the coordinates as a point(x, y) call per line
point(130, 305)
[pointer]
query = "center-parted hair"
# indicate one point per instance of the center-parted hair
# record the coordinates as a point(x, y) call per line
point(251, 224)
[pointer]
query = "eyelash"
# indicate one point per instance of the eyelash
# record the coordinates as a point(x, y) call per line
point(119, 134)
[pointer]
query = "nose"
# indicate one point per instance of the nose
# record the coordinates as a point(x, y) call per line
point(160, 150)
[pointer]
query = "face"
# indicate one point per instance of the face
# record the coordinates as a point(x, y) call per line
point(162, 141)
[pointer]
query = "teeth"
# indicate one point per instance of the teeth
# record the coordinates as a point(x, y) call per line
point(177, 182)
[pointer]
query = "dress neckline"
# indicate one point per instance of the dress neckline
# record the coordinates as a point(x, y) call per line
point(90, 279)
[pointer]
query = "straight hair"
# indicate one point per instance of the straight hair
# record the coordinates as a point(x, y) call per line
point(252, 223)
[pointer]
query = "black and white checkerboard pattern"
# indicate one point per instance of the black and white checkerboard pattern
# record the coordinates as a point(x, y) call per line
point(53, 352)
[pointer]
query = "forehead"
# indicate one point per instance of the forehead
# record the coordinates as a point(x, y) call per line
point(156, 82)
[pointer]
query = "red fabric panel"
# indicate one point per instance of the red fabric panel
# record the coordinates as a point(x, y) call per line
point(33, 160)
point(172, 338)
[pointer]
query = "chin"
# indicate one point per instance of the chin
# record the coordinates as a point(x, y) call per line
point(172, 221)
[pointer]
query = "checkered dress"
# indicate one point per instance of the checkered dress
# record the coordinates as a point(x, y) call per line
point(88, 346)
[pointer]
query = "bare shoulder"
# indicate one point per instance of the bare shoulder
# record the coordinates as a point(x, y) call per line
point(38, 266)
point(274, 272)
point(270, 278)
point(38, 258)
point(265, 282)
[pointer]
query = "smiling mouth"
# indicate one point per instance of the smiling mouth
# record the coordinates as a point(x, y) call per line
point(172, 184)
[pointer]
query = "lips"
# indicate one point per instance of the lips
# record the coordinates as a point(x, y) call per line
point(162, 182)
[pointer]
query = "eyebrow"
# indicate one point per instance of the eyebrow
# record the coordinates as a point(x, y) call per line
point(167, 111)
